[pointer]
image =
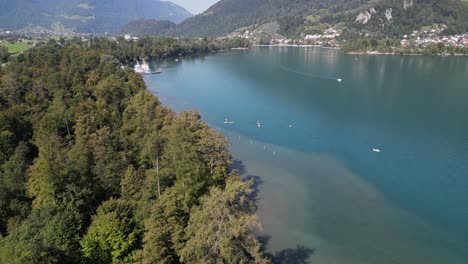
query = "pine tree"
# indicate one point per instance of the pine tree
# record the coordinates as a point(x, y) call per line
point(221, 228)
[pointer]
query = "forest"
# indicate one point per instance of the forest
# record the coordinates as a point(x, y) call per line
point(93, 169)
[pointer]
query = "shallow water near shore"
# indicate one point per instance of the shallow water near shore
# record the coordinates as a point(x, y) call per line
point(322, 187)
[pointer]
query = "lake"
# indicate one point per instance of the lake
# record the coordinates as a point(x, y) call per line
point(358, 159)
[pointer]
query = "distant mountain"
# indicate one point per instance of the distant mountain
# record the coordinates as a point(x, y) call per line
point(85, 15)
point(384, 17)
point(148, 27)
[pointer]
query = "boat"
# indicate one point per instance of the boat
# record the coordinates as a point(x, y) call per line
point(339, 80)
point(376, 150)
point(226, 121)
point(142, 68)
point(259, 124)
point(145, 67)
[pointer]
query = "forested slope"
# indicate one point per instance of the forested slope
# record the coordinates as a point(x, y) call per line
point(378, 17)
point(85, 15)
point(148, 27)
point(93, 169)
point(228, 15)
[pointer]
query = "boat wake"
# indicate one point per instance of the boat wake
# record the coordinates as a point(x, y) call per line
point(307, 74)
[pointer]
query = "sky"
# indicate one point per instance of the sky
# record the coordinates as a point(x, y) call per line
point(195, 6)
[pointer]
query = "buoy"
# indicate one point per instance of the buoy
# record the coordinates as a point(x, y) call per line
point(290, 126)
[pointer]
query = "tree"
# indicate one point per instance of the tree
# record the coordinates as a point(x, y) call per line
point(48, 174)
point(220, 230)
point(49, 235)
point(114, 234)
point(14, 203)
point(4, 54)
point(165, 236)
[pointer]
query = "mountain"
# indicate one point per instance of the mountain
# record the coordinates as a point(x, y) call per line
point(93, 16)
point(148, 27)
point(376, 17)
point(399, 17)
point(229, 15)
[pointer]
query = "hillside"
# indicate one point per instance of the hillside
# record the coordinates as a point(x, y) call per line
point(85, 15)
point(228, 15)
point(399, 17)
point(377, 17)
point(148, 27)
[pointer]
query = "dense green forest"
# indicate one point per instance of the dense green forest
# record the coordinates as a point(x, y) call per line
point(148, 27)
point(93, 169)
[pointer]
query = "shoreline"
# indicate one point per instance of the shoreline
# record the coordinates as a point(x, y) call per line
point(296, 46)
point(401, 54)
point(359, 52)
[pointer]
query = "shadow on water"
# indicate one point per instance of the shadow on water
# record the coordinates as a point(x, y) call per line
point(239, 166)
point(298, 255)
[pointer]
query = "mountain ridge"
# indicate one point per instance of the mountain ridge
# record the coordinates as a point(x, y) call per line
point(89, 16)
point(380, 17)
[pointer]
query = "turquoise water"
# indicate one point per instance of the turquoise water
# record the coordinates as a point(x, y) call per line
point(323, 187)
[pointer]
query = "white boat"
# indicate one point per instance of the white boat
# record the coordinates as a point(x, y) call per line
point(226, 121)
point(376, 150)
point(142, 68)
point(138, 69)
point(259, 124)
point(339, 80)
point(146, 68)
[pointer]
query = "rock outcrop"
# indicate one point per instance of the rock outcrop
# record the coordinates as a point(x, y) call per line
point(365, 16)
point(407, 4)
point(388, 14)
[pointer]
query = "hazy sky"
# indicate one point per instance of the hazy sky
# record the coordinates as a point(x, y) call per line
point(195, 6)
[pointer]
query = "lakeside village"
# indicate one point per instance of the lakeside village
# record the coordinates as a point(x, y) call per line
point(418, 39)
point(332, 38)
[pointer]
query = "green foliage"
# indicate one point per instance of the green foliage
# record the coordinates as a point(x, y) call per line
point(147, 27)
point(228, 15)
point(49, 235)
point(221, 228)
point(114, 234)
point(87, 155)
point(291, 26)
point(4, 54)
point(166, 235)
